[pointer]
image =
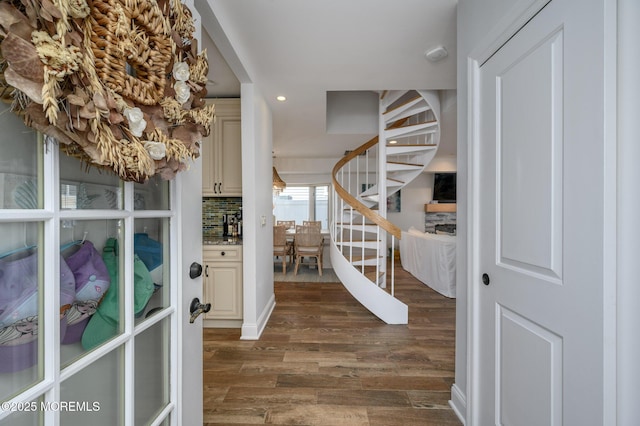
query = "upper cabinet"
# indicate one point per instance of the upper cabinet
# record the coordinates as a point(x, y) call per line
point(222, 152)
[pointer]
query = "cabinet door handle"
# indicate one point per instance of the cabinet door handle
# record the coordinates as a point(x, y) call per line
point(206, 270)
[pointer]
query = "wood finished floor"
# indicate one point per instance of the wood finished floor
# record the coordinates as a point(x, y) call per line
point(323, 359)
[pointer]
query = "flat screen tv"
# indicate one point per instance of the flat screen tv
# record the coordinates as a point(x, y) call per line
point(444, 187)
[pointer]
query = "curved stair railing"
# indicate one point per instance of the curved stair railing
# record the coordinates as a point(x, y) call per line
point(362, 238)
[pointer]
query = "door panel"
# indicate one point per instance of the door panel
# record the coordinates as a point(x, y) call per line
point(540, 230)
point(529, 371)
point(529, 164)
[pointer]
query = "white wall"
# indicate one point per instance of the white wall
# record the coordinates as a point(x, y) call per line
point(257, 269)
point(628, 200)
point(413, 197)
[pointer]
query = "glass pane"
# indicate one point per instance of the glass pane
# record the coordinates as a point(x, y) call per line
point(24, 414)
point(292, 204)
point(97, 392)
point(82, 189)
point(151, 372)
point(20, 304)
point(151, 265)
point(20, 187)
point(152, 195)
point(89, 250)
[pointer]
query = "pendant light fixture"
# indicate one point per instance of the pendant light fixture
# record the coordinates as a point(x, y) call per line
point(278, 184)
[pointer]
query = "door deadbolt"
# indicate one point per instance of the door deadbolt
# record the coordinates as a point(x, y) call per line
point(195, 270)
point(485, 279)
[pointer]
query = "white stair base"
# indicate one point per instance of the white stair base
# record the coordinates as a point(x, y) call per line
point(376, 300)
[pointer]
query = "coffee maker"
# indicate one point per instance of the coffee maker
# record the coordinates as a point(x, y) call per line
point(225, 225)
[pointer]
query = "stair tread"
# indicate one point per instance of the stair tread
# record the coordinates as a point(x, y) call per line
point(407, 126)
point(401, 163)
point(412, 100)
point(352, 223)
point(411, 144)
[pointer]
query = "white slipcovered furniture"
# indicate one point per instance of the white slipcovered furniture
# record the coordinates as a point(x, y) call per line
point(431, 258)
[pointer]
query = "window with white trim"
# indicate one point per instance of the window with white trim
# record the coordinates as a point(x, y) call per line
point(303, 202)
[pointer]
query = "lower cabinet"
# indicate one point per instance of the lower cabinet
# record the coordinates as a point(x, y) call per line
point(223, 285)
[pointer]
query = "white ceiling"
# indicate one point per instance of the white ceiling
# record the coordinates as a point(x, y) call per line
point(302, 49)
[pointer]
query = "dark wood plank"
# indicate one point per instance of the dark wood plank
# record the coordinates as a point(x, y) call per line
point(323, 359)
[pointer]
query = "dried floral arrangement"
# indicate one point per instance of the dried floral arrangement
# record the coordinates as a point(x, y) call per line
point(119, 83)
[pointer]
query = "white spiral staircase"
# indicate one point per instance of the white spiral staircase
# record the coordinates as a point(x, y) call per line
point(409, 129)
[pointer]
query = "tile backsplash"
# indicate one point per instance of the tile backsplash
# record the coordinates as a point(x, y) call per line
point(212, 210)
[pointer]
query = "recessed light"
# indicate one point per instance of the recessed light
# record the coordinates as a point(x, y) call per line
point(281, 98)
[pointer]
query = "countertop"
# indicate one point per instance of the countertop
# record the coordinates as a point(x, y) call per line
point(229, 241)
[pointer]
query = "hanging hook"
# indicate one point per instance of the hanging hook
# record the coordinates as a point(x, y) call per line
point(84, 238)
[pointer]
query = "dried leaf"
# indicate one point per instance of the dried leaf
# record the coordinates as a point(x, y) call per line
point(100, 102)
point(117, 132)
point(88, 111)
point(115, 117)
point(74, 38)
point(9, 15)
point(51, 9)
point(111, 102)
point(187, 133)
point(23, 58)
point(32, 89)
point(75, 99)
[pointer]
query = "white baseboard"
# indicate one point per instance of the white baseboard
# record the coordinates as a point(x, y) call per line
point(458, 403)
point(254, 331)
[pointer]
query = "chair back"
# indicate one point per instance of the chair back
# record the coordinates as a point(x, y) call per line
point(308, 236)
point(279, 236)
point(314, 223)
point(289, 224)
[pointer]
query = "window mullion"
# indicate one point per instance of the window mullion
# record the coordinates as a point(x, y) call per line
point(50, 255)
point(127, 290)
point(312, 202)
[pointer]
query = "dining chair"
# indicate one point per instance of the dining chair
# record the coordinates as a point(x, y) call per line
point(290, 226)
point(280, 246)
point(308, 243)
point(317, 226)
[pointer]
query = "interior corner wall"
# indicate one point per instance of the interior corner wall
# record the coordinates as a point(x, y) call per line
point(257, 144)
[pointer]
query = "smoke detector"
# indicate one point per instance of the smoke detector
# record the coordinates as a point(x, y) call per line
point(436, 54)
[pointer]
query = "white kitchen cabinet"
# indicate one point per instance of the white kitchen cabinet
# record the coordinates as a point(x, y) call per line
point(222, 152)
point(223, 285)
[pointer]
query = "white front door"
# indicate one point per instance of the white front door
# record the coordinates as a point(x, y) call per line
point(190, 192)
point(540, 312)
